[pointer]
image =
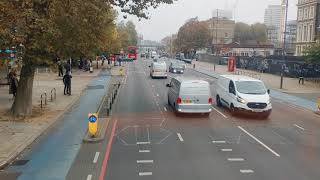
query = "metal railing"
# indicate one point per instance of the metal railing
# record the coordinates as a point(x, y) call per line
point(53, 94)
point(43, 97)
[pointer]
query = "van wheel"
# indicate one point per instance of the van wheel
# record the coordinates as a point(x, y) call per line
point(233, 110)
point(219, 104)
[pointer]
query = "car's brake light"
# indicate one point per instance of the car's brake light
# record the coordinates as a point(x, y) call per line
point(210, 100)
point(179, 100)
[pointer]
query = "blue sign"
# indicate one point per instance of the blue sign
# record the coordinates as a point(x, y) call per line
point(92, 118)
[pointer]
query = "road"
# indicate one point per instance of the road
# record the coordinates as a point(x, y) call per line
point(146, 140)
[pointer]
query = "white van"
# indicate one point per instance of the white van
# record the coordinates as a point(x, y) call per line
point(153, 54)
point(189, 96)
point(243, 94)
point(158, 70)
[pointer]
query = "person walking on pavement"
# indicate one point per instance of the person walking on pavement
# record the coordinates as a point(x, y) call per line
point(301, 76)
point(67, 84)
point(68, 67)
point(60, 68)
point(14, 84)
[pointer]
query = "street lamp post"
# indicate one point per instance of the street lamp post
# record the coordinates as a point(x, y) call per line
point(284, 43)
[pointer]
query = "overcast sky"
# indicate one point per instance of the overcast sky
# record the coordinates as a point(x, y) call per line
point(167, 19)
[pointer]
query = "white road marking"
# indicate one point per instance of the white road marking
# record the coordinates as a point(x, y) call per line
point(144, 161)
point(89, 177)
point(261, 143)
point(142, 143)
point(180, 137)
point(157, 95)
point(145, 173)
point(152, 85)
point(235, 159)
point(96, 156)
point(218, 142)
point(144, 151)
point(165, 109)
point(226, 150)
point(220, 112)
point(299, 127)
point(246, 171)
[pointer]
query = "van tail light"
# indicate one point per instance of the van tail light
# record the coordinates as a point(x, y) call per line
point(179, 100)
point(210, 100)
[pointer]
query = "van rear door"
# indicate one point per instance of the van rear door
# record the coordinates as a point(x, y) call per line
point(195, 93)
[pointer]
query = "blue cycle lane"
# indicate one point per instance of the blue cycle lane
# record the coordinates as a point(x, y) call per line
point(297, 101)
point(52, 156)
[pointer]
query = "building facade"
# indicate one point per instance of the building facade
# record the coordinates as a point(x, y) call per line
point(291, 37)
point(247, 49)
point(307, 24)
point(283, 22)
point(272, 19)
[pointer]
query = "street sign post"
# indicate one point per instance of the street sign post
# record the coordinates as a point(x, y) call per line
point(93, 124)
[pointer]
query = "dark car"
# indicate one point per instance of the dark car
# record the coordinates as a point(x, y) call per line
point(176, 68)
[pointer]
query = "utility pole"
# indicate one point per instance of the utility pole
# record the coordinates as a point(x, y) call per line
point(216, 46)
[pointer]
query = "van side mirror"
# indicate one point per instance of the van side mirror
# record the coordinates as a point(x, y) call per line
point(268, 91)
point(168, 85)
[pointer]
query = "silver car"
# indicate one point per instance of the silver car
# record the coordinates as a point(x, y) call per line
point(189, 96)
point(158, 70)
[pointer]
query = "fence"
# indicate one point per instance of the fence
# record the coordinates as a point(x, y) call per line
point(250, 74)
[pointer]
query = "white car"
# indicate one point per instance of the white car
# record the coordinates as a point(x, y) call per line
point(158, 70)
point(243, 94)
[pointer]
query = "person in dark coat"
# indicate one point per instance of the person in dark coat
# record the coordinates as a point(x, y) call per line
point(301, 76)
point(67, 84)
point(60, 68)
point(68, 67)
point(14, 84)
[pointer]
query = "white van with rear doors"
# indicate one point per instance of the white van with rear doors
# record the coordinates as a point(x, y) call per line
point(243, 94)
point(158, 70)
point(189, 96)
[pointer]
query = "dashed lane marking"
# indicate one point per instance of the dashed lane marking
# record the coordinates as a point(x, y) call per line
point(219, 112)
point(180, 137)
point(89, 177)
point(299, 127)
point(165, 109)
point(218, 142)
point(145, 173)
point(226, 150)
point(144, 151)
point(96, 156)
point(261, 143)
point(144, 161)
point(235, 159)
point(246, 171)
point(142, 143)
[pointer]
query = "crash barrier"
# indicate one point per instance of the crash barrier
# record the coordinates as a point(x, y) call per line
point(53, 94)
point(43, 100)
point(250, 74)
point(313, 80)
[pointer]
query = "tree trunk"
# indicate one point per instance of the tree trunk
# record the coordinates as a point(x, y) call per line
point(22, 105)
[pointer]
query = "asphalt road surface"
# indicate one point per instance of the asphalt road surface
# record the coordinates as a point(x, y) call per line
point(146, 140)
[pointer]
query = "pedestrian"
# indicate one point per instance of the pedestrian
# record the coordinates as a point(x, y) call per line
point(67, 84)
point(68, 67)
point(301, 76)
point(14, 84)
point(60, 68)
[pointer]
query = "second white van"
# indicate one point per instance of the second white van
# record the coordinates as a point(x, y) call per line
point(243, 94)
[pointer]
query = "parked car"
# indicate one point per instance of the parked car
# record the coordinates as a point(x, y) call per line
point(189, 96)
point(158, 70)
point(243, 94)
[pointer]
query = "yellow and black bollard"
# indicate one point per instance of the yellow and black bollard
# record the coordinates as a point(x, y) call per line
point(93, 124)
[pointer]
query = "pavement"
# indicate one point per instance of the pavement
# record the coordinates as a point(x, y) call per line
point(22, 132)
point(146, 140)
point(305, 96)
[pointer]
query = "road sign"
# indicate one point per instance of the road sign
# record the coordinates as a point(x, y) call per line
point(93, 124)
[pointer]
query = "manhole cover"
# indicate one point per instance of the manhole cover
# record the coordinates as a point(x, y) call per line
point(20, 162)
point(96, 87)
point(9, 176)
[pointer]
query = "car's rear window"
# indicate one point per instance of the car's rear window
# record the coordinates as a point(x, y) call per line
point(161, 66)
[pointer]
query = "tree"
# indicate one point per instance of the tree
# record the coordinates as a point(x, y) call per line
point(65, 28)
point(192, 36)
point(245, 32)
point(312, 53)
point(127, 34)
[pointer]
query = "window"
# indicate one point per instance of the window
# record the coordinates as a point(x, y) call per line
point(299, 34)
point(310, 33)
point(305, 33)
point(232, 88)
point(300, 14)
point(311, 13)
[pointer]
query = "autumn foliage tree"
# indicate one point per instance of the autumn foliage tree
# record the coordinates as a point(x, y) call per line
point(193, 35)
point(65, 28)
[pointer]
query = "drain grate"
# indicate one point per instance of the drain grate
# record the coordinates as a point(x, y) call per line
point(9, 175)
point(20, 162)
point(96, 87)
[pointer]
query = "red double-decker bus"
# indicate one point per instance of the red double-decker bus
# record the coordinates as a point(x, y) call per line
point(132, 52)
